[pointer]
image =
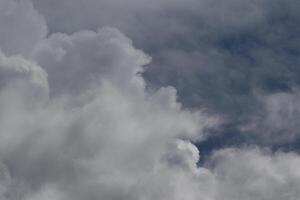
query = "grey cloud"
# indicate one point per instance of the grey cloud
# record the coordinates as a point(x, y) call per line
point(277, 121)
point(96, 141)
point(79, 121)
point(21, 27)
point(253, 173)
point(157, 24)
point(74, 62)
point(216, 53)
point(21, 81)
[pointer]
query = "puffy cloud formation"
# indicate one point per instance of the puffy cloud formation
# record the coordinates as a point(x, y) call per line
point(216, 53)
point(255, 174)
point(79, 121)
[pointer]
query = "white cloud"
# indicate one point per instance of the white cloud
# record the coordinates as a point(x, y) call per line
point(77, 122)
point(256, 174)
point(99, 133)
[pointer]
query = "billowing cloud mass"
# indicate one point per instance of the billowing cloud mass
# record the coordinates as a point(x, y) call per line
point(218, 54)
point(85, 113)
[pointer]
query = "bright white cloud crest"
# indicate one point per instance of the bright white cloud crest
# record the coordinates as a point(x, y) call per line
point(77, 122)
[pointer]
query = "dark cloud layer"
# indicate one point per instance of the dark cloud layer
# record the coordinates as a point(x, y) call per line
point(94, 112)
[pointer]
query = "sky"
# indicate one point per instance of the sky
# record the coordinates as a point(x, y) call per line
point(149, 100)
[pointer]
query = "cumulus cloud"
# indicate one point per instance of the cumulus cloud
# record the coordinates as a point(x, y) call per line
point(96, 133)
point(74, 62)
point(256, 174)
point(79, 121)
point(216, 53)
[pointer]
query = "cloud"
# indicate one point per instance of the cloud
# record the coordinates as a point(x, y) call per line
point(96, 131)
point(74, 62)
point(277, 121)
point(253, 173)
point(216, 53)
point(21, 27)
point(79, 120)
